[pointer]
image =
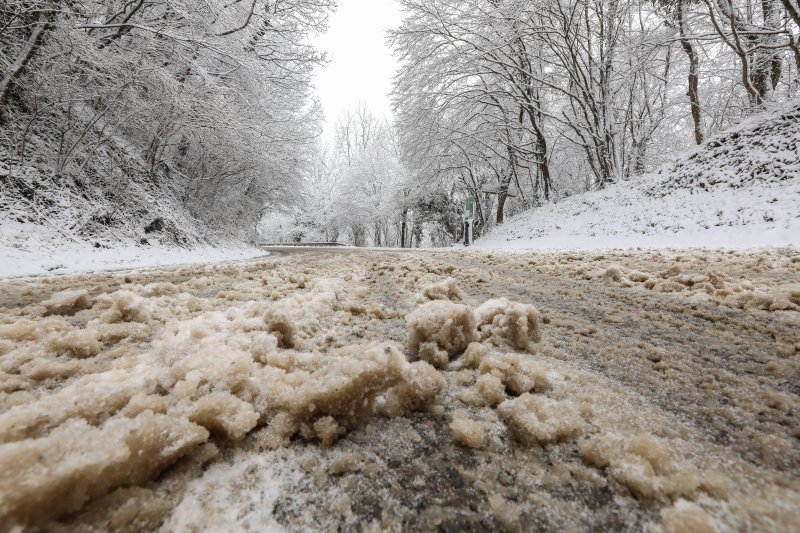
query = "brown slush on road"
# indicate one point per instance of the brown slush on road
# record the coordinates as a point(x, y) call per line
point(452, 391)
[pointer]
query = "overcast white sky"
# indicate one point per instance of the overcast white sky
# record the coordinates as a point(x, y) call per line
point(361, 65)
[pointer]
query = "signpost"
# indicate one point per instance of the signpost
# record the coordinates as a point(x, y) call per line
point(469, 220)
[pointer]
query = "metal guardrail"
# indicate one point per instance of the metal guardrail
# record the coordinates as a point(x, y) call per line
point(277, 244)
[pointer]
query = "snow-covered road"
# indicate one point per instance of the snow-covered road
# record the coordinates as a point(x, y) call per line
point(399, 391)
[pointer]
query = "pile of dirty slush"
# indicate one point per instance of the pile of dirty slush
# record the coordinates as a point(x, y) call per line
point(122, 395)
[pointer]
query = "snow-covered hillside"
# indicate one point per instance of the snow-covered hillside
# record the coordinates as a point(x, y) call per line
point(52, 228)
point(34, 250)
point(739, 189)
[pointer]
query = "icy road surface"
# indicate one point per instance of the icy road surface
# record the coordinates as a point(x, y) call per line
point(407, 391)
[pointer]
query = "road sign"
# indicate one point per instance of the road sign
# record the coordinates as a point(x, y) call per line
point(469, 219)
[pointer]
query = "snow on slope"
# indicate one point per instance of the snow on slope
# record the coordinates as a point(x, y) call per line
point(53, 228)
point(33, 250)
point(740, 189)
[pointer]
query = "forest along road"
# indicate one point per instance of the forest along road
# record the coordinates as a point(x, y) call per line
point(407, 391)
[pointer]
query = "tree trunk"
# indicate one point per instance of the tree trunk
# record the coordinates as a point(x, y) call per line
point(753, 74)
point(25, 55)
point(694, 79)
point(403, 228)
point(767, 64)
point(793, 8)
point(544, 165)
point(502, 194)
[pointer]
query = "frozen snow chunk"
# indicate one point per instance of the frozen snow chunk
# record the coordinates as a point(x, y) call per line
point(510, 323)
point(67, 303)
point(93, 397)
point(281, 427)
point(80, 343)
point(490, 389)
point(653, 450)
point(444, 290)
point(23, 329)
point(420, 386)
point(512, 372)
point(762, 300)
point(158, 289)
point(45, 477)
point(467, 431)
point(346, 462)
point(299, 317)
point(6, 346)
point(506, 513)
point(126, 306)
point(114, 333)
point(142, 402)
point(775, 450)
point(262, 346)
point(686, 516)
point(439, 330)
point(601, 450)
point(41, 369)
point(541, 420)
point(225, 414)
point(667, 286)
point(644, 465)
point(214, 368)
point(793, 294)
point(279, 324)
point(474, 354)
point(517, 372)
point(636, 276)
point(353, 384)
point(292, 360)
point(612, 273)
point(327, 430)
point(344, 389)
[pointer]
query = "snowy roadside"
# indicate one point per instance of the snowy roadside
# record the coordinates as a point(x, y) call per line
point(36, 253)
point(742, 238)
point(620, 217)
point(739, 190)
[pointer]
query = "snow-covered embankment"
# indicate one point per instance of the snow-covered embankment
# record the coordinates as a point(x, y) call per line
point(740, 189)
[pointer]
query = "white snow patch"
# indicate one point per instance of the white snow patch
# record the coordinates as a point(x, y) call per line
point(33, 250)
point(240, 496)
point(741, 189)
